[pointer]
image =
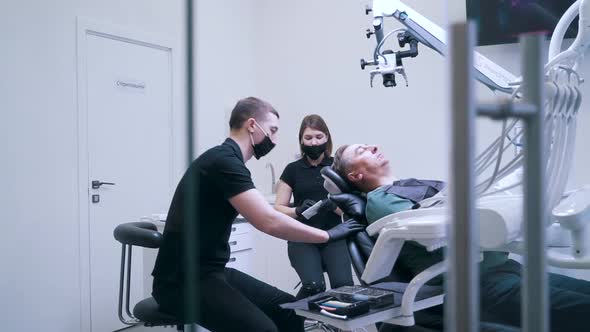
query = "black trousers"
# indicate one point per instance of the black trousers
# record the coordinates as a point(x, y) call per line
point(500, 299)
point(501, 291)
point(232, 301)
point(311, 260)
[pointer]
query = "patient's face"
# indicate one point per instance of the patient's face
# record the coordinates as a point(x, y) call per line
point(366, 160)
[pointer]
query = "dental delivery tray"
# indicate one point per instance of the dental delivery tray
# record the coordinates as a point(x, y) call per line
point(337, 307)
point(376, 297)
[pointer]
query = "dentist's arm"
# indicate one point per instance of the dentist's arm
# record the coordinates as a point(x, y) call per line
point(252, 206)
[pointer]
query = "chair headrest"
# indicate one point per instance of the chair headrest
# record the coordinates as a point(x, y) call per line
point(141, 233)
point(333, 182)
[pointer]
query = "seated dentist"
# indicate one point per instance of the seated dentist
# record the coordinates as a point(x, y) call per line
point(227, 299)
point(367, 169)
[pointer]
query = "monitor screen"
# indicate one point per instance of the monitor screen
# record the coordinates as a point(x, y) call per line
point(501, 21)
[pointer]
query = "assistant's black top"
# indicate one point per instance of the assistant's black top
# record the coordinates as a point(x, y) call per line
point(307, 183)
point(220, 173)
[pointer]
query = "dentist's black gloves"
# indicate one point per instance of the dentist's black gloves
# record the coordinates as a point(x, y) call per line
point(327, 206)
point(351, 205)
point(344, 230)
point(306, 204)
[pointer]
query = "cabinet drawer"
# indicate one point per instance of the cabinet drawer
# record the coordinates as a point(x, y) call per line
point(239, 242)
point(241, 260)
point(240, 228)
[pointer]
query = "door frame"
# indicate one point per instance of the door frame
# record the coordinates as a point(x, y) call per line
point(85, 27)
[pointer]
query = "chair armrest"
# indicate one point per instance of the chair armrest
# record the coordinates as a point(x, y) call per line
point(427, 228)
point(399, 218)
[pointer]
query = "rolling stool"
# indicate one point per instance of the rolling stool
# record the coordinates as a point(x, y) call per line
point(146, 312)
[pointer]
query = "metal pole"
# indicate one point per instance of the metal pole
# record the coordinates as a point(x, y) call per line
point(462, 301)
point(535, 295)
point(191, 226)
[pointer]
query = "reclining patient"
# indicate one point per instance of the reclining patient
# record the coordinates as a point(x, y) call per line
point(365, 167)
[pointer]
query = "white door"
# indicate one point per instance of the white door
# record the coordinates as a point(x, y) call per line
point(129, 119)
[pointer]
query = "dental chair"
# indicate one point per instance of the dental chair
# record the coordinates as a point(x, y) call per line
point(422, 315)
point(360, 247)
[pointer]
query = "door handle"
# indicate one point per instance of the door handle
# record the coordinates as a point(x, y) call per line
point(96, 184)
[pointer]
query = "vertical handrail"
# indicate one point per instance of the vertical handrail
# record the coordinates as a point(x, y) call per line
point(462, 301)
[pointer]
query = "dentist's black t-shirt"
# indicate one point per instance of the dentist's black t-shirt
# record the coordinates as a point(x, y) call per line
point(219, 174)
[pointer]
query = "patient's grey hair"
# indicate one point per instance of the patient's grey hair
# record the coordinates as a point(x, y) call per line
point(341, 165)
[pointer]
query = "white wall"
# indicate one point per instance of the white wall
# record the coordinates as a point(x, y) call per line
point(39, 251)
point(225, 69)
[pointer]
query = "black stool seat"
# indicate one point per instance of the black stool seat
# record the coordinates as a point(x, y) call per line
point(148, 312)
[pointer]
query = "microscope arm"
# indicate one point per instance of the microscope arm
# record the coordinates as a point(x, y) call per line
point(433, 36)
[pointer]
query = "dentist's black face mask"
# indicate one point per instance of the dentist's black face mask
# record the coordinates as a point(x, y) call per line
point(314, 151)
point(263, 148)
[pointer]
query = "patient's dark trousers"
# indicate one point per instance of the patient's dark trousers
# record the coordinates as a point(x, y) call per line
point(233, 301)
point(569, 299)
point(311, 260)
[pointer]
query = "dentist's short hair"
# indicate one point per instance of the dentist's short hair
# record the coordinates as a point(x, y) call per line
point(250, 107)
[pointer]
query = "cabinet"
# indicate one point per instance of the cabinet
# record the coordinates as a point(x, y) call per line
point(271, 262)
point(241, 244)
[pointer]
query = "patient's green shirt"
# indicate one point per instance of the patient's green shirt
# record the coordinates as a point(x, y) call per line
point(413, 257)
point(380, 203)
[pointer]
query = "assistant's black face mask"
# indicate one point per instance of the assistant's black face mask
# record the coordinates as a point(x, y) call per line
point(263, 148)
point(314, 151)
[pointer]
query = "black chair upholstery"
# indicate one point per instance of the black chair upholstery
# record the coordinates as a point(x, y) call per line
point(336, 184)
point(141, 234)
point(361, 244)
point(148, 312)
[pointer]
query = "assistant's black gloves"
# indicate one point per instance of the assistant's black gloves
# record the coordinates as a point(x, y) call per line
point(344, 230)
point(306, 204)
